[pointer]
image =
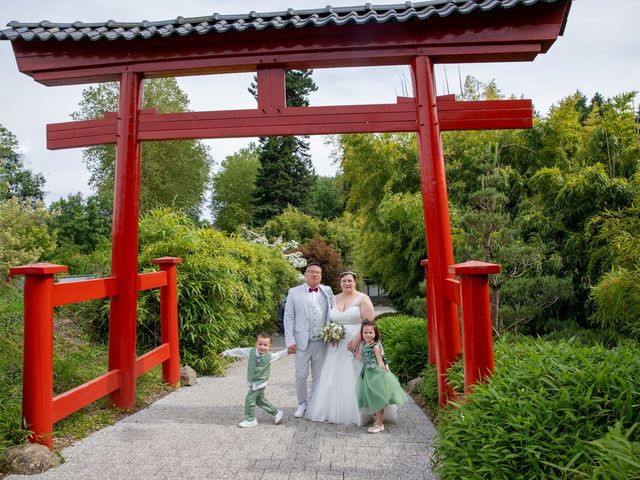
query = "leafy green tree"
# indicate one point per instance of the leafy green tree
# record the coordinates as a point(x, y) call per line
point(381, 177)
point(233, 187)
point(487, 230)
point(15, 180)
point(391, 253)
point(374, 165)
point(325, 197)
point(24, 235)
point(285, 171)
point(614, 240)
point(611, 136)
point(293, 224)
point(340, 233)
point(522, 199)
point(487, 174)
point(81, 222)
point(173, 173)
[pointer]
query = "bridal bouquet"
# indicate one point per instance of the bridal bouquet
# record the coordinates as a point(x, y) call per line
point(332, 332)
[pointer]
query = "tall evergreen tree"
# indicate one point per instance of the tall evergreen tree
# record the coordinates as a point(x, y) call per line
point(285, 171)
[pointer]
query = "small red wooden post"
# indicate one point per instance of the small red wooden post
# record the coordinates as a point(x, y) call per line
point(431, 330)
point(436, 219)
point(37, 377)
point(124, 251)
point(477, 334)
point(169, 319)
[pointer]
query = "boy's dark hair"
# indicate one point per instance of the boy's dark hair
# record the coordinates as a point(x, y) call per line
point(263, 335)
point(373, 324)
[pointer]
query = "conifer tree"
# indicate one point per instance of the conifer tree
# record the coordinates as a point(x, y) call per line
point(285, 171)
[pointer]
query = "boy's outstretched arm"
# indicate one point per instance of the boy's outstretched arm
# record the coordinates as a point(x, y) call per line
point(236, 352)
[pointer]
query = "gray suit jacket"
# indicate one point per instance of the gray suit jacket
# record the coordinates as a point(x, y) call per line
point(296, 315)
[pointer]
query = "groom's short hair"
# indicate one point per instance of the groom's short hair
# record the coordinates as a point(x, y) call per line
point(313, 264)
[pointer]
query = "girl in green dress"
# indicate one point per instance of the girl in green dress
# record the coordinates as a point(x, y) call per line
point(376, 387)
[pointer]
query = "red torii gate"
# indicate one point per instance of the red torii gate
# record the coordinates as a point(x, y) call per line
point(421, 35)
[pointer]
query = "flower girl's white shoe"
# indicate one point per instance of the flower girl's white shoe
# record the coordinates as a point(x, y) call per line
point(375, 428)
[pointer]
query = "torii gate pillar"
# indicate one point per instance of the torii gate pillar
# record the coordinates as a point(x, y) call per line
point(436, 220)
point(124, 249)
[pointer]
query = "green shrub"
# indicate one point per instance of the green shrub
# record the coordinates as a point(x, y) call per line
point(545, 413)
point(228, 289)
point(24, 235)
point(428, 389)
point(405, 345)
point(293, 224)
point(617, 302)
point(577, 335)
point(97, 262)
point(417, 307)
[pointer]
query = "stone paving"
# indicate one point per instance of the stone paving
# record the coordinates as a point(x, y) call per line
point(193, 433)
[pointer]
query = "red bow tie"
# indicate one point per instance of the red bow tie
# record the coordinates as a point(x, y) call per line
point(313, 289)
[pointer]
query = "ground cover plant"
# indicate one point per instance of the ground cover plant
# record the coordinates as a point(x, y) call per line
point(551, 410)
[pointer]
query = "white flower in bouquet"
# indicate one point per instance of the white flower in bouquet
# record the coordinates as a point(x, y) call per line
point(332, 332)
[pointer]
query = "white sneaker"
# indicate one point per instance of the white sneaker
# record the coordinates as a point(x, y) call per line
point(248, 423)
point(278, 416)
point(299, 413)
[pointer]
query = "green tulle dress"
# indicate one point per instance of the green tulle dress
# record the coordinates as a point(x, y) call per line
point(376, 387)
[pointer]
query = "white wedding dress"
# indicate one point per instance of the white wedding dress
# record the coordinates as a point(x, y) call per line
point(335, 397)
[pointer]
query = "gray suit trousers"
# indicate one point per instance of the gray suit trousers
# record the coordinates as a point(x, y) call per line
point(313, 356)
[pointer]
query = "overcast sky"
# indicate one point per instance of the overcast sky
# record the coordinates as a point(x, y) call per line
point(599, 52)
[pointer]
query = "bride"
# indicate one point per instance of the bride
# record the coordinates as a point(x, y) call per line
point(335, 397)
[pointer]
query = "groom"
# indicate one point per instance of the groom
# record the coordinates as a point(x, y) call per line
point(306, 311)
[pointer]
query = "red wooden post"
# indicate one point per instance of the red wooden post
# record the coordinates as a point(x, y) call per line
point(124, 251)
point(37, 377)
point(431, 330)
point(271, 89)
point(476, 320)
point(169, 319)
point(436, 213)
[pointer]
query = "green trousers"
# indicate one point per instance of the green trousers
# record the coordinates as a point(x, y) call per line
point(256, 397)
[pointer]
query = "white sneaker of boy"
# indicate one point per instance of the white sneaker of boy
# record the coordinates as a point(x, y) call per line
point(278, 416)
point(248, 423)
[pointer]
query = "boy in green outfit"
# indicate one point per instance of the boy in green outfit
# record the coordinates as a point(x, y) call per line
point(258, 369)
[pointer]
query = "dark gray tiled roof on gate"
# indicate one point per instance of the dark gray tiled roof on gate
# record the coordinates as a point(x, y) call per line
point(217, 23)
